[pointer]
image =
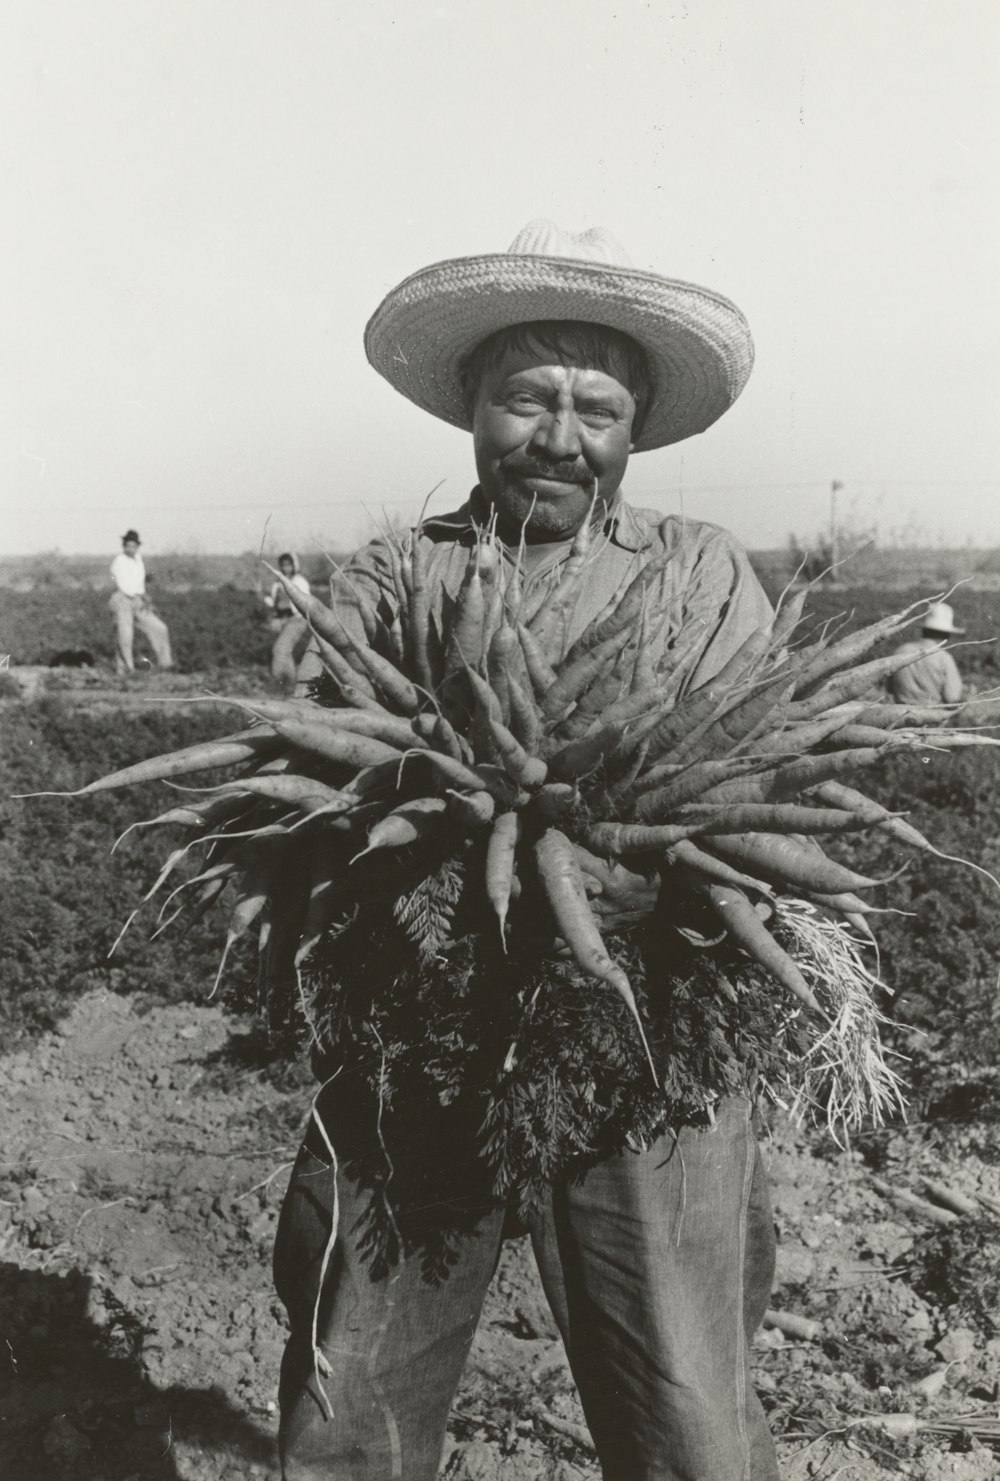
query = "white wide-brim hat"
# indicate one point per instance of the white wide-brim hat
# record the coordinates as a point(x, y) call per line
point(698, 344)
point(941, 619)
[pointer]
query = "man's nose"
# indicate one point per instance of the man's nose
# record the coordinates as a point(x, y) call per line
point(558, 435)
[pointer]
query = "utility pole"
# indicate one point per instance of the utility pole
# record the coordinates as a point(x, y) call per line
point(835, 487)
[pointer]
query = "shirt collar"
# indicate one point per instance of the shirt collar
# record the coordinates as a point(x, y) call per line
point(621, 526)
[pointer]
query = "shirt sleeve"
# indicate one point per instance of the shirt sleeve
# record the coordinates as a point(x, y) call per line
point(952, 687)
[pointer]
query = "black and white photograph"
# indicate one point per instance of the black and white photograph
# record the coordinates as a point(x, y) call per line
point(499, 727)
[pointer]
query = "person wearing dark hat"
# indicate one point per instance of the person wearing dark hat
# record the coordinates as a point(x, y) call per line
point(131, 609)
point(561, 359)
point(933, 676)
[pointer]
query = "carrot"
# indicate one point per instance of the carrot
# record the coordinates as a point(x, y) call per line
point(853, 685)
point(573, 678)
point(399, 583)
point(736, 725)
point(796, 739)
point(786, 620)
point(890, 716)
point(682, 726)
point(621, 611)
point(695, 861)
point(638, 706)
point(260, 871)
point(644, 668)
point(384, 675)
point(418, 625)
point(788, 862)
point(297, 791)
point(499, 661)
point(525, 720)
point(548, 624)
point(559, 874)
point(526, 770)
point(590, 708)
point(340, 747)
point(316, 613)
point(381, 725)
point(580, 757)
point(783, 782)
point(465, 640)
point(207, 815)
point(849, 649)
point(681, 785)
point(406, 824)
point(457, 774)
point(837, 795)
point(771, 817)
point(540, 672)
point(471, 809)
point(635, 838)
point(500, 855)
point(748, 930)
point(326, 887)
point(366, 614)
point(355, 689)
point(242, 745)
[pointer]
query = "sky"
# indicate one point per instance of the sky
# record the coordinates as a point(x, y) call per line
point(203, 201)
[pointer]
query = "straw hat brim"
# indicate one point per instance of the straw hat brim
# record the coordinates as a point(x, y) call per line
point(698, 344)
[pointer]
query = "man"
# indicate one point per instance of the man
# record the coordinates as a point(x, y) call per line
point(290, 631)
point(933, 676)
point(562, 360)
point(131, 609)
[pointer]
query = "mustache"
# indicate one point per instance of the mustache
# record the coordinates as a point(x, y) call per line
point(571, 470)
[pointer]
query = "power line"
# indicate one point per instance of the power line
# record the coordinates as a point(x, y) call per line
point(356, 501)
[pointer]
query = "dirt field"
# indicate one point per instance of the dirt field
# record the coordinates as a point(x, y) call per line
point(145, 1159)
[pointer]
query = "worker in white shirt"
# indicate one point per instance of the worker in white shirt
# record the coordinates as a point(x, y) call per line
point(130, 609)
point(290, 631)
point(933, 676)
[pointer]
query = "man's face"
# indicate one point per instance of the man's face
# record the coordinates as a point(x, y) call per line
point(286, 567)
point(544, 434)
point(130, 547)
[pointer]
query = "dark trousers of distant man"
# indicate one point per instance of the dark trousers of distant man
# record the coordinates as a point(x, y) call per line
point(657, 1266)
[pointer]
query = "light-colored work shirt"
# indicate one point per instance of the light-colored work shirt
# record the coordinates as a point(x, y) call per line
point(279, 599)
point(932, 677)
point(704, 603)
point(129, 574)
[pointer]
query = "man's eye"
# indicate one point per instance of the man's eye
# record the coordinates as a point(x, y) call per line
point(523, 401)
point(598, 414)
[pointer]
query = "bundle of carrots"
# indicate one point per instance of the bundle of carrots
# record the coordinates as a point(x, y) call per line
point(586, 774)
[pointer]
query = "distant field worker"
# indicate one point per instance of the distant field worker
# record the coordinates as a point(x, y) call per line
point(131, 609)
point(290, 630)
point(933, 676)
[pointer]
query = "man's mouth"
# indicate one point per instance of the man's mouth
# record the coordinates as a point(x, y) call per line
point(546, 480)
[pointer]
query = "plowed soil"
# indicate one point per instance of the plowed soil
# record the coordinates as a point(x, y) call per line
point(145, 1154)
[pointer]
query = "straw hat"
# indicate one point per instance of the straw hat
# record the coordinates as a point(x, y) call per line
point(698, 343)
point(941, 619)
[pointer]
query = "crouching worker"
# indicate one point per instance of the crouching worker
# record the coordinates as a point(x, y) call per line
point(655, 1245)
point(933, 676)
point(289, 630)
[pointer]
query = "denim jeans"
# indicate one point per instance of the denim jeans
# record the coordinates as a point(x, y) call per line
point(657, 1266)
